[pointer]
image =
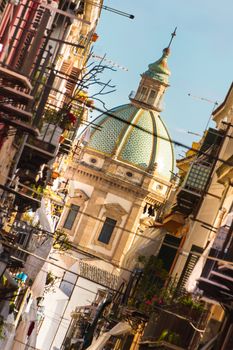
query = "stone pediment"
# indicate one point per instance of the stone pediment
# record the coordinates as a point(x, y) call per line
point(79, 194)
point(115, 208)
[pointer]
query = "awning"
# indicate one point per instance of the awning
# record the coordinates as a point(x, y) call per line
point(119, 329)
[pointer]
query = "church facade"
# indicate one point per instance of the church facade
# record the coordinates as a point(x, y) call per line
point(123, 173)
point(119, 181)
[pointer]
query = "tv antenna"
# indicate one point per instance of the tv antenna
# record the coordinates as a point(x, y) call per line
point(215, 103)
point(112, 63)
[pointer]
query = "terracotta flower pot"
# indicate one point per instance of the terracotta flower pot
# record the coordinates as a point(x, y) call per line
point(94, 37)
point(55, 175)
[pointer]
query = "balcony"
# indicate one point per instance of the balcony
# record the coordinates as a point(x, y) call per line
point(173, 221)
point(16, 112)
point(48, 141)
point(10, 77)
point(225, 171)
point(65, 146)
point(15, 94)
point(216, 280)
point(38, 152)
point(20, 236)
point(196, 181)
point(171, 328)
point(197, 178)
point(14, 98)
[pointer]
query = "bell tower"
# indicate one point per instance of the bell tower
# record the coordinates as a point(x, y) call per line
point(154, 82)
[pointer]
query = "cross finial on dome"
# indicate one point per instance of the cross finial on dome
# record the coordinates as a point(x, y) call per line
point(172, 37)
point(159, 69)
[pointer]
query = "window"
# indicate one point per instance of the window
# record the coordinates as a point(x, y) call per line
point(197, 177)
point(151, 97)
point(68, 283)
point(107, 230)
point(71, 216)
point(143, 93)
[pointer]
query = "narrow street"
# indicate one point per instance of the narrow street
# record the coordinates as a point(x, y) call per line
point(116, 174)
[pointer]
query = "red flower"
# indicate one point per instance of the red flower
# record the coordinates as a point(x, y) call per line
point(71, 117)
point(148, 302)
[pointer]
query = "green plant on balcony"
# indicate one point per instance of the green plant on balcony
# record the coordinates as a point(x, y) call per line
point(192, 303)
point(61, 241)
point(38, 190)
point(150, 288)
point(170, 337)
point(51, 116)
point(186, 305)
point(63, 117)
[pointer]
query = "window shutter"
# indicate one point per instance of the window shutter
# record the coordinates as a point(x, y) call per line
point(188, 268)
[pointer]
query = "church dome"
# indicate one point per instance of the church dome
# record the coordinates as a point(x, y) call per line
point(135, 144)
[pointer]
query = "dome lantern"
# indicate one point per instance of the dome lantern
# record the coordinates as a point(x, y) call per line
point(154, 82)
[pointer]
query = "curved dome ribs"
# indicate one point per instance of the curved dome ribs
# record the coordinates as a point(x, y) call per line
point(129, 144)
point(105, 140)
point(122, 137)
point(138, 148)
point(164, 153)
point(155, 143)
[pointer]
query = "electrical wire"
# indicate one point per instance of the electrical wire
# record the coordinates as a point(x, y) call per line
point(81, 249)
point(111, 9)
point(179, 250)
point(176, 143)
point(172, 141)
point(110, 114)
point(53, 264)
point(117, 226)
point(28, 346)
point(159, 136)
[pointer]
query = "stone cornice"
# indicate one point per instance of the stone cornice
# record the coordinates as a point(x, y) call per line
point(118, 162)
point(99, 177)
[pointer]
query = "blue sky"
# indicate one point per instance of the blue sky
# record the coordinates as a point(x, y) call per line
point(200, 62)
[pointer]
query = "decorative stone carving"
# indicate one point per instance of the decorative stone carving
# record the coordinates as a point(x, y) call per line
point(81, 195)
point(115, 209)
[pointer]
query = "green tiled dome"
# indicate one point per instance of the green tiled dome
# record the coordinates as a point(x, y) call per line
point(137, 146)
